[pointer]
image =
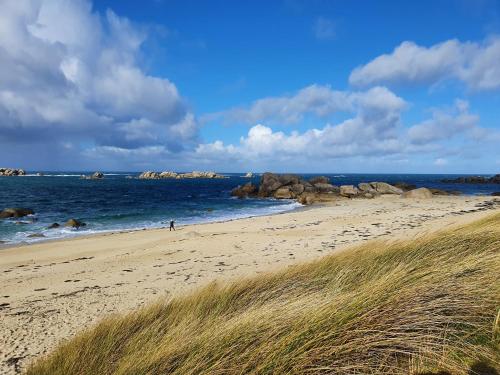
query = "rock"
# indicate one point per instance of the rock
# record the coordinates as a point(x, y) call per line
point(420, 193)
point(53, 226)
point(444, 192)
point(319, 180)
point(307, 199)
point(405, 186)
point(269, 183)
point(297, 189)
point(474, 180)
point(288, 179)
point(36, 235)
point(284, 193)
point(245, 191)
point(74, 223)
point(149, 175)
point(39, 174)
point(385, 188)
point(349, 191)
point(495, 194)
point(12, 172)
point(248, 175)
point(15, 212)
point(369, 195)
point(97, 176)
point(326, 188)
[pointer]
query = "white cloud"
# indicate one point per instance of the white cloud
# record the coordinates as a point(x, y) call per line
point(446, 124)
point(318, 100)
point(68, 72)
point(324, 28)
point(440, 162)
point(475, 64)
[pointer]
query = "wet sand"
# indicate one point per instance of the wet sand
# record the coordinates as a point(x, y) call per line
point(50, 291)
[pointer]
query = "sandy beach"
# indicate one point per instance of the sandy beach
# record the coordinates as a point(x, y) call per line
point(52, 290)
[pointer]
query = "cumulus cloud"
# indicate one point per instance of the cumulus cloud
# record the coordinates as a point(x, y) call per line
point(446, 124)
point(318, 100)
point(372, 131)
point(69, 73)
point(475, 64)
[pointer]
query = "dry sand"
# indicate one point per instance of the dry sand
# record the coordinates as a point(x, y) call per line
point(49, 291)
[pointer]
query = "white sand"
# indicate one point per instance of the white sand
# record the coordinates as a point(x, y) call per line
point(49, 291)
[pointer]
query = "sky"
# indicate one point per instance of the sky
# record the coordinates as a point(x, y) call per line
point(314, 86)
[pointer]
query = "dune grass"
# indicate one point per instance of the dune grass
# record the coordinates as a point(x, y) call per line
point(429, 305)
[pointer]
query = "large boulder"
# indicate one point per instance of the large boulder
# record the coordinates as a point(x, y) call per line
point(297, 189)
point(74, 223)
point(269, 183)
point(385, 188)
point(15, 212)
point(284, 193)
point(307, 198)
point(420, 193)
point(245, 191)
point(349, 191)
point(326, 188)
point(405, 186)
point(288, 179)
point(319, 180)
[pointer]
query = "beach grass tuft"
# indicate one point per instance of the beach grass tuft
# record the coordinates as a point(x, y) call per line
point(425, 306)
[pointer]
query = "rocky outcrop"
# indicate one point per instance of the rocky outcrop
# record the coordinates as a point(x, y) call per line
point(12, 172)
point(420, 193)
point(74, 223)
point(405, 186)
point(385, 188)
point(245, 191)
point(15, 212)
point(474, 180)
point(94, 176)
point(319, 180)
point(349, 191)
point(150, 175)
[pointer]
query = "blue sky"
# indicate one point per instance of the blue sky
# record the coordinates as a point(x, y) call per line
point(288, 85)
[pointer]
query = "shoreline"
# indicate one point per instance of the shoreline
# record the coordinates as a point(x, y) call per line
point(52, 290)
point(106, 232)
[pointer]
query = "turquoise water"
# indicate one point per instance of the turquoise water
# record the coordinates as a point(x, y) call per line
point(121, 203)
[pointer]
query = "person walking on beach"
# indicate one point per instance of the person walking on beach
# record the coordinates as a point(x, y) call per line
point(172, 225)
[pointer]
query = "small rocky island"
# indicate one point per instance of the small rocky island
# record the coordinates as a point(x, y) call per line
point(12, 172)
point(94, 176)
point(149, 175)
point(318, 189)
point(474, 180)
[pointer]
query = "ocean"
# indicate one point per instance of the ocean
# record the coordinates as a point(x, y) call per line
point(118, 203)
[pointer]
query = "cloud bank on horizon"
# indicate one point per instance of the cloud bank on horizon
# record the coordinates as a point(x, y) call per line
point(75, 94)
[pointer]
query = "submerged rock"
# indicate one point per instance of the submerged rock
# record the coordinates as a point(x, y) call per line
point(36, 235)
point(74, 223)
point(474, 180)
point(15, 212)
point(53, 226)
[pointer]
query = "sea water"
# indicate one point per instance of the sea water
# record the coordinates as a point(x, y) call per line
point(120, 201)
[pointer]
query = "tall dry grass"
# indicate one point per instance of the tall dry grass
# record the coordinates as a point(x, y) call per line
point(416, 307)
